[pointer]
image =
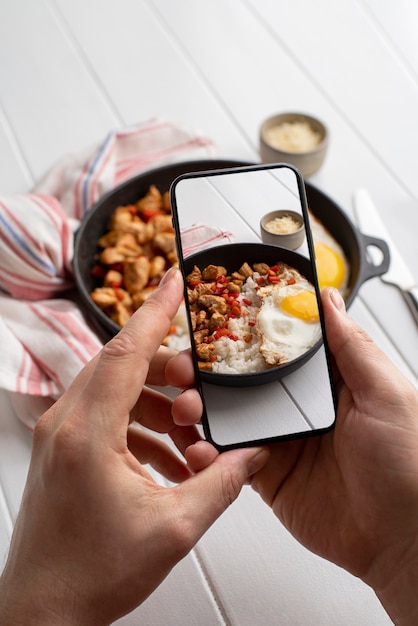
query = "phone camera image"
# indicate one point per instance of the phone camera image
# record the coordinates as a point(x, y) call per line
point(252, 300)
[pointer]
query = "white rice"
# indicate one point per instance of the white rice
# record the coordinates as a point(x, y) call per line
point(241, 357)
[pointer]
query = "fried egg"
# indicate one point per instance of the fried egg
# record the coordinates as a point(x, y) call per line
point(288, 320)
point(331, 263)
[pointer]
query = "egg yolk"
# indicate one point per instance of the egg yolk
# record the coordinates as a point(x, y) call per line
point(302, 305)
point(329, 266)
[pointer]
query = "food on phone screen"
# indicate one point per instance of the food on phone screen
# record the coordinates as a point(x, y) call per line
point(252, 319)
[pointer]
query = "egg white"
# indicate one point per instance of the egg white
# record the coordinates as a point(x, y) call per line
point(284, 337)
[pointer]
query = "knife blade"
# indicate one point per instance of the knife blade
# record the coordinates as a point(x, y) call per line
point(398, 274)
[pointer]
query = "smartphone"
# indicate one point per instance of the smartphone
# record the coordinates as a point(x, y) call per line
point(253, 307)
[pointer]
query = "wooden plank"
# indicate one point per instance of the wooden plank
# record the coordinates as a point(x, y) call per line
point(146, 73)
point(262, 575)
point(53, 103)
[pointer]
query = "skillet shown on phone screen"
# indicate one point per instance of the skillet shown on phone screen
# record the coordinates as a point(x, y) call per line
point(254, 312)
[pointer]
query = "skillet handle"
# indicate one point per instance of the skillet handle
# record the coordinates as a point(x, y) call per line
point(376, 257)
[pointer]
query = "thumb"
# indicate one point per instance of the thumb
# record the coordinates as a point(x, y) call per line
point(364, 368)
point(209, 493)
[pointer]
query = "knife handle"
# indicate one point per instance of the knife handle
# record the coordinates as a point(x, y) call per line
point(411, 297)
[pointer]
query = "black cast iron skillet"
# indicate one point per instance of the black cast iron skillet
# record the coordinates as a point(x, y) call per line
point(96, 221)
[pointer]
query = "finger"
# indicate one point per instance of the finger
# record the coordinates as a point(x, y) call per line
point(179, 370)
point(200, 455)
point(187, 408)
point(154, 411)
point(149, 450)
point(221, 483)
point(365, 369)
point(122, 367)
point(156, 373)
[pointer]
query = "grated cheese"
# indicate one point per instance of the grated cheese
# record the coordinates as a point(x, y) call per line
point(293, 136)
point(282, 225)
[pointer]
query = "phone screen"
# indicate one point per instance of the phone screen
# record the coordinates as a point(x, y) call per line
point(254, 312)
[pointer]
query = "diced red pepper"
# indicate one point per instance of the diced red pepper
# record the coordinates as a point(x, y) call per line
point(274, 280)
point(260, 280)
point(119, 294)
point(98, 271)
point(247, 302)
point(147, 215)
point(221, 332)
point(291, 281)
point(251, 322)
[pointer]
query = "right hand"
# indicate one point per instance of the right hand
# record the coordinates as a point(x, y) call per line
point(351, 495)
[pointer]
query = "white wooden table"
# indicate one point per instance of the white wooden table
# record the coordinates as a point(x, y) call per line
point(71, 71)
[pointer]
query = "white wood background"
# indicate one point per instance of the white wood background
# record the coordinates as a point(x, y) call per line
point(72, 70)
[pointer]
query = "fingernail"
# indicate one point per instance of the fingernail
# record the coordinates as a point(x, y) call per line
point(337, 299)
point(258, 461)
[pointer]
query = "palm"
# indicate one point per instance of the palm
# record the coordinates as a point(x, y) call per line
point(330, 490)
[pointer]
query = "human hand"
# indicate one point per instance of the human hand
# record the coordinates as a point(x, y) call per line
point(95, 534)
point(351, 495)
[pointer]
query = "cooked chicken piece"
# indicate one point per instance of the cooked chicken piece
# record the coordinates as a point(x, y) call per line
point(204, 288)
point(261, 268)
point(194, 276)
point(204, 351)
point(157, 267)
point(113, 279)
point(109, 239)
point(110, 256)
point(120, 314)
point(165, 242)
point(124, 297)
point(193, 319)
point(211, 272)
point(138, 228)
point(166, 202)
point(161, 224)
point(172, 258)
point(127, 245)
point(206, 367)
point(139, 297)
point(191, 295)
point(201, 317)
point(152, 201)
point(199, 335)
point(104, 297)
point(217, 320)
point(213, 303)
point(122, 215)
point(245, 270)
point(233, 287)
point(235, 276)
point(136, 273)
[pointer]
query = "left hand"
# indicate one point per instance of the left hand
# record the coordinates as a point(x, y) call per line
point(96, 534)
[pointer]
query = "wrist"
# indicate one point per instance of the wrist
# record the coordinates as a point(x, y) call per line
point(37, 600)
point(396, 587)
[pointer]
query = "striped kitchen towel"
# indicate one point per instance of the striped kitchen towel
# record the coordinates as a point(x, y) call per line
point(44, 337)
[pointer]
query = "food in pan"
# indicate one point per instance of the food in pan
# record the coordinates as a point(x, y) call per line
point(331, 263)
point(134, 255)
point(255, 318)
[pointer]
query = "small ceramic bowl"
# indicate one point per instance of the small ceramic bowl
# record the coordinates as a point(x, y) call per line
point(290, 240)
point(295, 138)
